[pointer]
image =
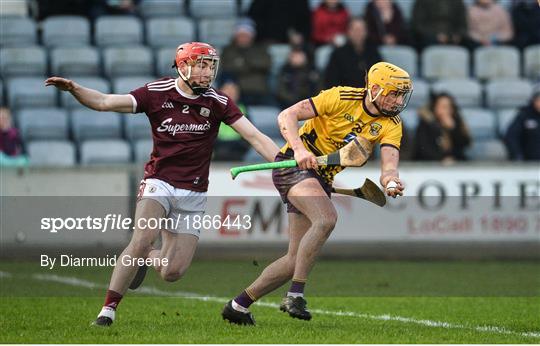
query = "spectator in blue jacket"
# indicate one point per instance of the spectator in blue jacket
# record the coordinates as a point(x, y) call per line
point(523, 136)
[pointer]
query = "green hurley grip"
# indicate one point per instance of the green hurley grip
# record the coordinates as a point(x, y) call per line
point(262, 166)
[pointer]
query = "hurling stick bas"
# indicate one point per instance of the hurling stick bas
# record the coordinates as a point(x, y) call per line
point(368, 191)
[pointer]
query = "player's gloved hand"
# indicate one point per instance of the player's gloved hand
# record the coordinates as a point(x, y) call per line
point(61, 83)
point(305, 159)
point(394, 188)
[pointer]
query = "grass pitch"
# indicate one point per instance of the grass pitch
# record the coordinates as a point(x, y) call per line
point(351, 302)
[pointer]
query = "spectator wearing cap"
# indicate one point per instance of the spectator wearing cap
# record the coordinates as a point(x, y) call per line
point(523, 136)
point(249, 63)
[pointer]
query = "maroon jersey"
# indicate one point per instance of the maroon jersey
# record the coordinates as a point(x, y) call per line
point(184, 129)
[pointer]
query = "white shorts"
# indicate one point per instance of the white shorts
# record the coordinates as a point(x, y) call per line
point(182, 207)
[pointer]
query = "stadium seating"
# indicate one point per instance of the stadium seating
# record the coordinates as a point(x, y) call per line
point(128, 61)
point(420, 95)
point(217, 32)
point(51, 153)
point(403, 56)
point(406, 7)
point(496, 62)
point(467, 92)
point(169, 32)
point(68, 101)
point(504, 119)
point(278, 54)
point(445, 62)
point(213, 9)
point(410, 119)
point(124, 85)
point(23, 61)
point(128, 64)
point(43, 123)
point(30, 92)
point(118, 31)
point(137, 127)
point(356, 7)
point(105, 152)
point(89, 124)
point(161, 8)
point(246, 4)
point(164, 61)
point(481, 123)
point(75, 61)
point(531, 57)
point(66, 31)
point(322, 56)
point(509, 93)
point(142, 150)
point(14, 8)
point(265, 119)
point(17, 32)
point(487, 150)
point(252, 156)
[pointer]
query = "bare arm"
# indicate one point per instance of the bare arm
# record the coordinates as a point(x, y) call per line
point(288, 125)
point(258, 140)
point(389, 170)
point(92, 98)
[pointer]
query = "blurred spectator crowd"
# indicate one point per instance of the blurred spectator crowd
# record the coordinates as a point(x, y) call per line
point(474, 63)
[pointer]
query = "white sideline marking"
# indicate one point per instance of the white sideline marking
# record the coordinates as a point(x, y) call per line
point(5, 275)
point(73, 281)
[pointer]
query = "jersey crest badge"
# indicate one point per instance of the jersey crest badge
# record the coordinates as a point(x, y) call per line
point(205, 112)
point(375, 128)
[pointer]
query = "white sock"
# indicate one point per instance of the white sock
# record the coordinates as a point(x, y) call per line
point(239, 307)
point(294, 294)
point(107, 312)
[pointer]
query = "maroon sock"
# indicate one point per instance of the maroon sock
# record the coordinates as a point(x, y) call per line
point(244, 300)
point(112, 299)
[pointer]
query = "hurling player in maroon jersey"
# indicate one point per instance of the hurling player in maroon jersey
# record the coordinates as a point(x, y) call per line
point(185, 114)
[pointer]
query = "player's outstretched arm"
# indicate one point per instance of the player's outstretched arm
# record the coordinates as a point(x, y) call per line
point(389, 171)
point(258, 140)
point(288, 125)
point(92, 98)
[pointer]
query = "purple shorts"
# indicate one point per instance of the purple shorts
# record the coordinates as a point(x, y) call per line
point(285, 178)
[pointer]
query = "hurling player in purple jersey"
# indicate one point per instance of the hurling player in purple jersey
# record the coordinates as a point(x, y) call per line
point(185, 114)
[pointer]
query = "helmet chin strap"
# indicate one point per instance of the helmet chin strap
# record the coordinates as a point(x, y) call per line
point(197, 90)
point(372, 100)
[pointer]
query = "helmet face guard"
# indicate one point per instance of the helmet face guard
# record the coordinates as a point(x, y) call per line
point(398, 96)
point(196, 81)
point(395, 86)
point(198, 57)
